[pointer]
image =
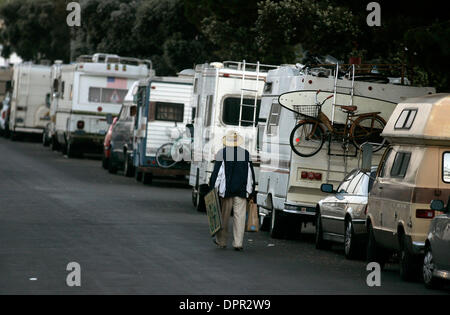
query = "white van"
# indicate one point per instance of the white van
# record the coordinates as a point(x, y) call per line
point(412, 173)
point(85, 92)
point(29, 112)
point(289, 184)
point(227, 96)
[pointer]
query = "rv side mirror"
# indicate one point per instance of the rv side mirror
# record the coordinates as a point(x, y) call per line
point(437, 205)
point(367, 153)
point(47, 100)
point(190, 130)
point(109, 119)
point(327, 188)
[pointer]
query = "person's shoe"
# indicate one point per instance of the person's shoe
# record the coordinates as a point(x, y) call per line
point(239, 249)
point(217, 244)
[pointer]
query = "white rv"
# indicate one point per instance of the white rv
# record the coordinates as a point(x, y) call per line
point(289, 184)
point(227, 96)
point(163, 111)
point(29, 113)
point(84, 93)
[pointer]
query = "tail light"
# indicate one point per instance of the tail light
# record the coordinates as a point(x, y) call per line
point(311, 176)
point(80, 124)
point(424, 214)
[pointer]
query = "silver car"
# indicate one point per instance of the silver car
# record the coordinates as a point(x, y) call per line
point(341, 216)
point(436, 264)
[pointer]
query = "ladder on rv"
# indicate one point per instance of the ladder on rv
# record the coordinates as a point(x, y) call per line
point(245, 90)
point(351, 92)
point(350, 89)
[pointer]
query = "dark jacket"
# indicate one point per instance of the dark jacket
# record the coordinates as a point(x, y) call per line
point(237, 161)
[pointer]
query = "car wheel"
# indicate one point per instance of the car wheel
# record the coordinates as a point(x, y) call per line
point(147, 178)
point(277, 225)
point(350, 245)
point(320, 242)
point(45, 140)
point(105, 162)
point(138, 176)
point(200, 202)
point(408, 263)
point(374, 252)
point(428, 268)
point(112, 169)
point(128, 167)
point(264, 223)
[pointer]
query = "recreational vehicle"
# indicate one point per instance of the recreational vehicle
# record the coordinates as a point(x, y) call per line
point(163, 111)
point(6, 74)
point(29, 112)
point(414, 170)
point(227, 96)
point(289, 183)
point(85, 93)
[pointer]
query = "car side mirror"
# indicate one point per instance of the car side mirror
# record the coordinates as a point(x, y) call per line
point(327, 188)
point(437, 205)
point(109, 119)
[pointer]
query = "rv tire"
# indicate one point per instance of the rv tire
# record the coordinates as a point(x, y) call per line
point(138, 176)
point(278, 225)
point(147, 178)
point(408, 262)
point(374, 252)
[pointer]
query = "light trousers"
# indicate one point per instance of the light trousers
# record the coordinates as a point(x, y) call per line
point(239, 206)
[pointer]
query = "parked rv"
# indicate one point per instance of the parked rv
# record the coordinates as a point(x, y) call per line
point(29, 112)
point(85, 92)
point(163, 111)
point(412, 172)
point(342, 215)
point(436, 264)
point(121, 141)
point(227, 96)
point(289, 184)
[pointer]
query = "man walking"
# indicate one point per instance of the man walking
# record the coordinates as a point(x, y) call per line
point(234, 178)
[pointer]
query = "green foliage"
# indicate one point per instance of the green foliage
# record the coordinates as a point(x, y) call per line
point(33, 29)
point(177, 34)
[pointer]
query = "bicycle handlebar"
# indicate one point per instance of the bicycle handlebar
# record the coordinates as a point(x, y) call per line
point(317, 100)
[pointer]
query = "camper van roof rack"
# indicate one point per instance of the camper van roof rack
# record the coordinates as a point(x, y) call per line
point(110, 58)
point(239, 65)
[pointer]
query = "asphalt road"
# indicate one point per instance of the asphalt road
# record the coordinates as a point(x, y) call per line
point(134, 239)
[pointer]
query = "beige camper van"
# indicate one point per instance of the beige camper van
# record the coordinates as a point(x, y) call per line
point(411, 174)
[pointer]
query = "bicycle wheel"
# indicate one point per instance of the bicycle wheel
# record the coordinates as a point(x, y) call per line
point(368, 129)
point(164, 156)
point(307, 138)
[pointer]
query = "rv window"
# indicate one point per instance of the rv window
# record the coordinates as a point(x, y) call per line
point(373, 175)
point(169, 111)
point(55, 85)
point(197, 112)
point(401, 164)
point(63, 84)
point(94, 95)
point(383, 162)
point(406, 119)
point(446, 167)
point(231, 111)
point(268, 87)
point(274, 119)
point(195, 86)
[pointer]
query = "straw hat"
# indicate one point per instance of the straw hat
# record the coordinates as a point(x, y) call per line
point(232, 139)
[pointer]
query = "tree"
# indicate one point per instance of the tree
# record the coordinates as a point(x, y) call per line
point(35, 30)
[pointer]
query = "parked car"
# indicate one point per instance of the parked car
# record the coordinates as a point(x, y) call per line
point(121, 145)
point(107, 145)
point(341, 216)
point(4, 116)
point(412, 172)
point(436, 264)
